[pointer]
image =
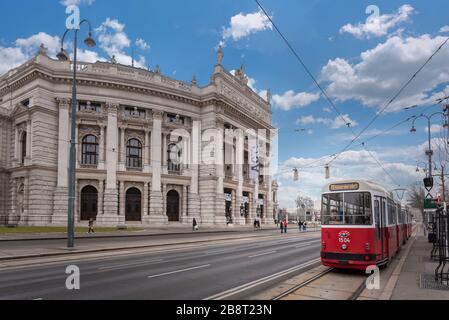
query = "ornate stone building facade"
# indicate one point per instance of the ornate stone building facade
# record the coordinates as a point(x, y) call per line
point(144, 142)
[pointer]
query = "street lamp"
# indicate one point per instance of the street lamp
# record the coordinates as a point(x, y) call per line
point(429, 152)
point(64, 56)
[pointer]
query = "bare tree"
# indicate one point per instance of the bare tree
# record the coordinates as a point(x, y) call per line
point(416, 197)
point(304, 204)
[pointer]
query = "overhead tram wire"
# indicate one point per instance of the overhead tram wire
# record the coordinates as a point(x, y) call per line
point(394, 97)
point(356, 136)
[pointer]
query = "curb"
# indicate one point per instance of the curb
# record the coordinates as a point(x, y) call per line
point(59, 254)
point(99, 236)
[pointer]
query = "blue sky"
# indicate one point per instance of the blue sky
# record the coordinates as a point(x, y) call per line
point(361, 63)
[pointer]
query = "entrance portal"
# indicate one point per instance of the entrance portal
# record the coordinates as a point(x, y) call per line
point(133, 205)
point(173, 206)
point(89, 203)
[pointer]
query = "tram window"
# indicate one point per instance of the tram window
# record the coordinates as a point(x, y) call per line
point(377, 217)
point(348, 208)
point(332, 209)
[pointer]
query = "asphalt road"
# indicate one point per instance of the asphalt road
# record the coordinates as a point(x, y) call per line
point(185, 274)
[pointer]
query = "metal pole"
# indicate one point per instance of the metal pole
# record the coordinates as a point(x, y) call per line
point(443, 198)
point(72, 164)
point(430, 150)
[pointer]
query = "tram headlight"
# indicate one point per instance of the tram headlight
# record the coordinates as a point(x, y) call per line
point(344, 246)
point(323, 245)
point(367, 246)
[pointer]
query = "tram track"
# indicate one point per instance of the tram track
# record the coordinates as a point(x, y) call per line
point(302, 284)
point(356, 294)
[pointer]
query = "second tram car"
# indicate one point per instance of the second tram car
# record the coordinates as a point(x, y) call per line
point(362, 225)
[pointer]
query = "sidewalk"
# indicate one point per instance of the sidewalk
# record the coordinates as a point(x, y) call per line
point(156, 231)
point(416, 279)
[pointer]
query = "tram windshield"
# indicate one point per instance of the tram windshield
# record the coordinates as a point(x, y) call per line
point(348, 208)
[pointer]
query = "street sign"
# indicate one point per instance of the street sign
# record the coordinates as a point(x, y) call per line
point(430, 204)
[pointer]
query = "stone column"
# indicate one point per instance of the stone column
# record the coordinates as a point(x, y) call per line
point(14, 216)
point(164, 199)
point(100, 197)
point(157, 215)
point(184, 205)
point(145, 202)
point(110, 216)
point(122, 206)
point(102, 148)
point(146, 153)
point(28, 149)
point(122, 164)
point(220, 205)
point(164, 154)
point(194, 202)
point(16, 144)
point(60, 198)
point(240, 150)
point(255, 200)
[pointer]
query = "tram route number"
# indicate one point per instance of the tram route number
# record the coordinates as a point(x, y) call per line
point(344, 240)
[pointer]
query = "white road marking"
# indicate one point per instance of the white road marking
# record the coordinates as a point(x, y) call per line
point(261, 254)
point(38, 299)
point(129, 264)
point(178, 271)
point(247, 286)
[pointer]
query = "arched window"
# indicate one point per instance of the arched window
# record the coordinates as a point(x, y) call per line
point(23, 144)
point(134, 154)
point(90, 150)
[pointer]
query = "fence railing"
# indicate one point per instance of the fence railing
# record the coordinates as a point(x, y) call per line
point(439, 253)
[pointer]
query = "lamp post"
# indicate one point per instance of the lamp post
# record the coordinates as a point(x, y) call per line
point(63, 56)
point(429, 152)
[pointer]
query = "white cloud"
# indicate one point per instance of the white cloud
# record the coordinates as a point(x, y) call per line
point(67, 3)
point(25, 48)
point(327, 110)
point(243, 25)
point(142, 44)
point(384, 69)
point(337, 123)
point(113, 40)
point(290, 99)
point(444, 29)
point(379, 26)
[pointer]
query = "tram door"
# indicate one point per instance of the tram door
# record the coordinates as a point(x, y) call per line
point(380, 231)
point(383, 228)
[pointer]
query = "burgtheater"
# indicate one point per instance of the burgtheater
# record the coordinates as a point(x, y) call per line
point(150, 150)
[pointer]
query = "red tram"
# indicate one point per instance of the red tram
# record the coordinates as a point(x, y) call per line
point(362, 225)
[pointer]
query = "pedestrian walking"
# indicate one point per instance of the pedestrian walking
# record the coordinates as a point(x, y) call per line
point(300, 225)
point(305, 226)
point(195, 225)
point(91, 226)
point(285, 225)
point(282, 226)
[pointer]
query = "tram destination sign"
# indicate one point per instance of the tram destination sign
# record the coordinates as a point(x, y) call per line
point(344, 186)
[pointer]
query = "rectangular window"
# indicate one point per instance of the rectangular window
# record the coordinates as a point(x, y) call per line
point(351, 208)
point(89, 106)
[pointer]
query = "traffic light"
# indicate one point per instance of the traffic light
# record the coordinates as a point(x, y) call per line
point(295, 174)
point(428, 183)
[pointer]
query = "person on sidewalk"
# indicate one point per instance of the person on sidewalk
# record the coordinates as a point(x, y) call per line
point(300, 225)
point(195, 225)
point(285, 225)
point(282, 226)
point(91, 226)
point(305, 226)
